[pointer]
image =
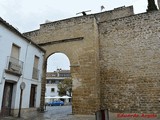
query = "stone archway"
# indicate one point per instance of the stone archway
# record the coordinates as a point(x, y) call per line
point(103, 51)
point(78, 39)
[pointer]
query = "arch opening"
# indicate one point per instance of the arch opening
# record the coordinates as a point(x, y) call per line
point(59, 83)
point(58, 61)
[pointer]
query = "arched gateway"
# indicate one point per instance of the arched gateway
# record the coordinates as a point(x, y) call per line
point(78, 39)
point(114, 58)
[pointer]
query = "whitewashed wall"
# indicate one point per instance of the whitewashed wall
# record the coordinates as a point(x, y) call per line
point(48, 90)
point(27, 54)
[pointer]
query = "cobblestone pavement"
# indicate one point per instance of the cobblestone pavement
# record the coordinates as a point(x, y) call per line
point(52, 113)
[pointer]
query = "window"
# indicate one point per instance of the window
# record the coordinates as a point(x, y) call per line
point(35, 68)
point(56, 81)
point(49, 81)
point(52, 90)
point(15, 51)
point(14, 64)
point(36, 61)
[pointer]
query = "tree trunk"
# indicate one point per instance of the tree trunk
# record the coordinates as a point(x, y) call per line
point(151, 5)
point(158, 1)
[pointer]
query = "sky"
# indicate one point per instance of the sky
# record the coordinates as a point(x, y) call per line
point(27, 15)
point(58, 61)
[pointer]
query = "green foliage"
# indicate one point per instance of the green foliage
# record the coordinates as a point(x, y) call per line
point(151, 5)
point(65, 86)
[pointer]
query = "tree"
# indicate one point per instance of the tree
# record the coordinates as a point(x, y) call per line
point(65, 86)
point(151, 5)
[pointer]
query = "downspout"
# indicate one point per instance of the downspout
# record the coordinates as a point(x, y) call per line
point(103, 112)
point(25, 60)
point(97, 23)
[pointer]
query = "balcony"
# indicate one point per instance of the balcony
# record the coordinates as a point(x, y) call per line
point(35, 73)
point(14, 66)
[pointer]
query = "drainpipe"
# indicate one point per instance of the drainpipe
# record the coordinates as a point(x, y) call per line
point(25, 59)
point(102, 113)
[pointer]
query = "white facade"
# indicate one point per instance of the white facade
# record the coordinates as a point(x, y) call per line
point(53, 79)
point(50, 86)
point(50, 92)
point(27, 52)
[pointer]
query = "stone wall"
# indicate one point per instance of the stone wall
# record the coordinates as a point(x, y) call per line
point(76, 38)
point(114, 58)
point(114, 14)
point(130, 63)
point(68, 24)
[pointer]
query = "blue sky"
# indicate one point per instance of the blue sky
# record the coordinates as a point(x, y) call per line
point(26, 15)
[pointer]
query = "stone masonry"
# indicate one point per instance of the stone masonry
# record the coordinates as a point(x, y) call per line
point(73, 38)
point(130, 63)
point(114, 57)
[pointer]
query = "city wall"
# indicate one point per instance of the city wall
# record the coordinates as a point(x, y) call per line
point(129, 63)
point(114, 58)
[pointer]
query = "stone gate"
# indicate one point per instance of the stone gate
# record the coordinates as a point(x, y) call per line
point(114, 57)
point(78, 39)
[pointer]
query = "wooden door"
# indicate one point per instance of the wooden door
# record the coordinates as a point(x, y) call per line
point(32, 96)
point(7, 99)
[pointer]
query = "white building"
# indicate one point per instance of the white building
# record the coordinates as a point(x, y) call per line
point(53, 79)
point(21, 60)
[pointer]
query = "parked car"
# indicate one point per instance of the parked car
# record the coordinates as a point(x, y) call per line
point(55, 103)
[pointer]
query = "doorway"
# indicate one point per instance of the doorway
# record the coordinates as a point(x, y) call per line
point(32, 96)
point(58, 82)
point(7, 99)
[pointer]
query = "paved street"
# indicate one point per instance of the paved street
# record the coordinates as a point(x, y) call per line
point(52, 113)
point(64, 113)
